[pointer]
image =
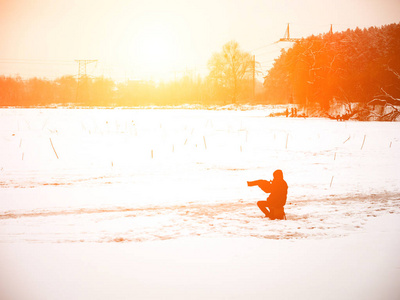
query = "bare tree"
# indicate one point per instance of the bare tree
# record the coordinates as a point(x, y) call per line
point(231, 67)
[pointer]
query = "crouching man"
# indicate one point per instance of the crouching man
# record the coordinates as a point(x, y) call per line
point(277, 188)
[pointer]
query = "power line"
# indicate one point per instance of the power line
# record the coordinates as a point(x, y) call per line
point(34, 61)
point(270, 52)
point(261, 47)
point(267, 61)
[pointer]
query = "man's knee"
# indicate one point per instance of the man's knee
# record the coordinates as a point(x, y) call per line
point(262, 204)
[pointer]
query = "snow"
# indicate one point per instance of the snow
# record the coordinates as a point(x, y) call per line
point(149, 203)
point(364, 265)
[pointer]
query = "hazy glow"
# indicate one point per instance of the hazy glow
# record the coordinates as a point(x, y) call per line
point(158, 39)
point(154, 49)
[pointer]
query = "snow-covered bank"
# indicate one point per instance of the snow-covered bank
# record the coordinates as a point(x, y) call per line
point(138, 175)
point(114, 204)
point(313, 218)
point(364, 265)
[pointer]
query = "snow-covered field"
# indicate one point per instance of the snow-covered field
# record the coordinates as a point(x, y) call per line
point(95, 186)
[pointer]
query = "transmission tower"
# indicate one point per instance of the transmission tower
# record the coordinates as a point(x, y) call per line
point(286, 36)
point(82, 87)
point(82, 63)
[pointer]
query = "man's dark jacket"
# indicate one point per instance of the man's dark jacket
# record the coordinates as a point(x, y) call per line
point(278, 189)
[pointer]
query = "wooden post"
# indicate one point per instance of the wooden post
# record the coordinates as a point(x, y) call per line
point(287, 138)
point(363, 142)
point(53, 148)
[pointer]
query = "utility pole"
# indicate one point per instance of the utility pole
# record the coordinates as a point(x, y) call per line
point(82, 75)
point(254, 77)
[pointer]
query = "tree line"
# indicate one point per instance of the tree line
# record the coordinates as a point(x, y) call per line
point(344, 67)
point(231, 80)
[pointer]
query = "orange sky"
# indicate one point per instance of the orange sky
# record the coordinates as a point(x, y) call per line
point(158, 39)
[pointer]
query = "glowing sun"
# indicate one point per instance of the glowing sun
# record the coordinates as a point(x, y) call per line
point(156, 51)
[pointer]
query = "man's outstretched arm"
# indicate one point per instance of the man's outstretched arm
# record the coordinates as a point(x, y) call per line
point(265, 185)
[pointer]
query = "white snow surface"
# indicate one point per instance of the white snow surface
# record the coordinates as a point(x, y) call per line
point(88, 188)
